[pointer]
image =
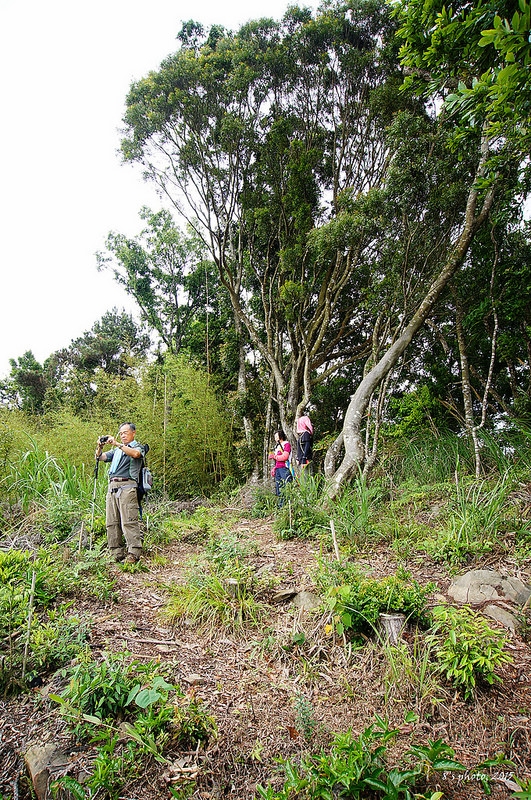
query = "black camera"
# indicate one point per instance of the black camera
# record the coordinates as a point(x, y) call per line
point(103, 439)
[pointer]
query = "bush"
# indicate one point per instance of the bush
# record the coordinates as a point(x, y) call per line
point(467, 649)
point(356, 601)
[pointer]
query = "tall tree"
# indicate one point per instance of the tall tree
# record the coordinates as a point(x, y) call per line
point(112, 347)
point(446, 54)
point(253, 136)
point(27, 384)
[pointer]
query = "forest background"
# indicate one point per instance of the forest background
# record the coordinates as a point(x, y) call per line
point(347, 241)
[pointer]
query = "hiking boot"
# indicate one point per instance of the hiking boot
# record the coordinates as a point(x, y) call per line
point(130, 559)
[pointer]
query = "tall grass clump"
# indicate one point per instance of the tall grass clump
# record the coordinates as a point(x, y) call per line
point(302, 515)
point(479, 515)
point(220, 589)
point(354, 511)
point(427, 458)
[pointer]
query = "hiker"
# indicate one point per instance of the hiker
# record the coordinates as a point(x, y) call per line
point(281, 471)
point(124, 537)
point(304, 442)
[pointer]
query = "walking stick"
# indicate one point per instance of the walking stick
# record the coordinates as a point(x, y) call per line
point(93, 501)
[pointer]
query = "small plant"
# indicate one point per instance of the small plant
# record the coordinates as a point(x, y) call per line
point(467, 649)
point(305, 721)
point(130, 712)
point(219, 589)
point(411, 675)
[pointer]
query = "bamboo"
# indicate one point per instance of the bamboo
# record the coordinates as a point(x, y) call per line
point(30, 617)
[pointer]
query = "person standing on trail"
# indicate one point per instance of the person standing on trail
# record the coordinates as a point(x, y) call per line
point(304, 442)
point(122, 518)
point(280, 471)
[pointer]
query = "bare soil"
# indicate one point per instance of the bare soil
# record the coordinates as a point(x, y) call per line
point(250, 682)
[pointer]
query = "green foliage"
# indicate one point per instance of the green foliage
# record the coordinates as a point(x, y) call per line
point(478, 514)
point(38, 632)
point(467, 649)
point(301, 516)
point(36, 639)
point(130, 711)
point(187, 428)
point(413, 412)
point(356, 601)
point(426, 458)
point(357, 767)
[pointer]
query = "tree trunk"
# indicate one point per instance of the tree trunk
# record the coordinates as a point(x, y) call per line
point(352, 426)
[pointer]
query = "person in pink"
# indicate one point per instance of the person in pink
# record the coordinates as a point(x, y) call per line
point(281, 471)
point(304, 442)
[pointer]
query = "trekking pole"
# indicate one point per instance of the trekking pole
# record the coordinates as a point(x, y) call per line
point(93, 501)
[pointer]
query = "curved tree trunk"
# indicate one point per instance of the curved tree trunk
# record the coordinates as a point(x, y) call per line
point(352, 426)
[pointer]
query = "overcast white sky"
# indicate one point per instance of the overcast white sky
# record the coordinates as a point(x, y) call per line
point(65, 70)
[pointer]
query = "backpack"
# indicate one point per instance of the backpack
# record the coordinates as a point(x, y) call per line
point(145, 480)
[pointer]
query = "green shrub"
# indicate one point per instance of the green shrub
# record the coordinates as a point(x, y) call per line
point(130, 711)
point(467, 649)
point(356, 601)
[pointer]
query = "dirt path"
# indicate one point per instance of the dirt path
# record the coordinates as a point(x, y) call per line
point(251, 682)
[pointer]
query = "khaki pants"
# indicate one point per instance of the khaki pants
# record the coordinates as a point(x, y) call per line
point(122, 520)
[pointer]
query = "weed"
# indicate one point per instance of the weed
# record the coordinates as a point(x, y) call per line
point(411, 675)
point(123, 707)
point(305, 721)
point(301, 516)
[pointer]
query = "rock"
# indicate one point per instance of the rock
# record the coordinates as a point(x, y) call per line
point(194, 679)
point(40, 761)
point(306, 601)
point(481, 585)
point(283, 594)
point(502, 616)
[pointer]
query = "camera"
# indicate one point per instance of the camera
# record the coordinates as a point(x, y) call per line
point(103, 439)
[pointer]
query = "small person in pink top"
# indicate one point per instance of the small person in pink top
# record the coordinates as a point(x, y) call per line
point(281, 471)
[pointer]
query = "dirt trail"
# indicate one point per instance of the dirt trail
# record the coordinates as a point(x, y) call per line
point(250, 682)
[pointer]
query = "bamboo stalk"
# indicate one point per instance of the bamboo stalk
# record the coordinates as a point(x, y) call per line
point(30, 617)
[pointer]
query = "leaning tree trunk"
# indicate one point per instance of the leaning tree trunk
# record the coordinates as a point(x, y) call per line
point(352, 426)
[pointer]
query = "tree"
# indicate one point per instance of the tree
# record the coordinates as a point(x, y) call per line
point(165, 271)
point(445, 52)
point(253, 136)
point(27, 384)
point(112, 346)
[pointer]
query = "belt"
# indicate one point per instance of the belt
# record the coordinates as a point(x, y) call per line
point(120, 479)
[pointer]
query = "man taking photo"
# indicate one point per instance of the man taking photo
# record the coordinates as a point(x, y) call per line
point(124, 537)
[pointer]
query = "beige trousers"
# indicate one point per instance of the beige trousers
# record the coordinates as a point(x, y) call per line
point(122, 520)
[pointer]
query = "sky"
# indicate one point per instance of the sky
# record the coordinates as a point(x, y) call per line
point(65, 71)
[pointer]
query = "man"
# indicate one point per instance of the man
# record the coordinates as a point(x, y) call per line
point(124, 537)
